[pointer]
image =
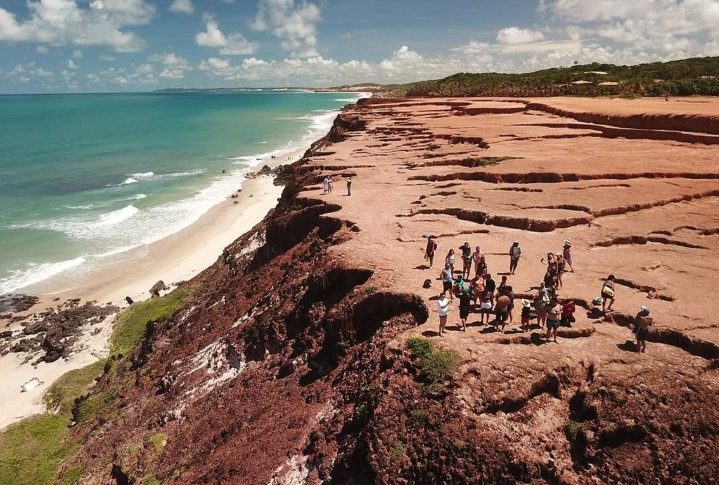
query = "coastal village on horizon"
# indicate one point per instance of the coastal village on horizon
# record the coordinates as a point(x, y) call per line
point(474, 242)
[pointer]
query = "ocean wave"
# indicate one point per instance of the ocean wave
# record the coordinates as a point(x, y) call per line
point(35, 273)
point(128, 181)
point(137, 197)
point(346, 100)
point(79, 207)
point(142, 175)
point(117, 216)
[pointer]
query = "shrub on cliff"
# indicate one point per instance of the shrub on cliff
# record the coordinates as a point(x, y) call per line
point(436, 365)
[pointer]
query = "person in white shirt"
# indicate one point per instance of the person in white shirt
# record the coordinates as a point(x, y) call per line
point(515, 252)
point(443, 309)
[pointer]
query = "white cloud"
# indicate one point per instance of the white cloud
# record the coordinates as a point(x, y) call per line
point(294, 25)
point(77, 54)
point(72, 65)
point(232, 44)
point(101, 22)
point(662, 29)
point(173, 66)
point(182, 6)
point(515, 35)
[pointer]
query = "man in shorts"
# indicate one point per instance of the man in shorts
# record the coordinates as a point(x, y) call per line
point(430, 250)
point(465, 302)
point(501, 309)
point(553, 315)
point(466, 259)
point(643, 322)
point(447, 282)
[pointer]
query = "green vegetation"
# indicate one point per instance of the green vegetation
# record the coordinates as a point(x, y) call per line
point(62, 394)
point(484, 161)
point(32, 450)
point(695, 76)
point(158, 441)
point(436, 365)
point(129, 328)
point(572, 430)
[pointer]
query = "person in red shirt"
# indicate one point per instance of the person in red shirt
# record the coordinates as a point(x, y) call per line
point(568, 309)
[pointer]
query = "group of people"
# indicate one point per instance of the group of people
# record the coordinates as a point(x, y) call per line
point(478, 290)
point(328, 185)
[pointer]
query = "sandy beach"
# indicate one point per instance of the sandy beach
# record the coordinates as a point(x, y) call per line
point(173, 259)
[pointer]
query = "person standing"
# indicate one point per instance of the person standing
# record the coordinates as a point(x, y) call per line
point(553, 316)
point(501, 308)
point(608, 294)
point(447, 282)
point(326, 186)
point(430, 250)
point(465, 300)
point(466, 259)
point(330, 184)
point(490, 286)
point(449, 261)
point(443, 311)
point(480, 266)
point(567, 253)
point(349, 186)
point(568, 310)
point(515, 252)
point(526, 315)
point(643, 322)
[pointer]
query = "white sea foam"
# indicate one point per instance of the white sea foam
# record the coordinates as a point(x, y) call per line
point(142, 175)
point(36, 273)
point(115, 217)
point(138, 197)
point(128, 181)
point(79, 207)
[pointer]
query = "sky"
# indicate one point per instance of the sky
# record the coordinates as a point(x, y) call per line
point(143, 45)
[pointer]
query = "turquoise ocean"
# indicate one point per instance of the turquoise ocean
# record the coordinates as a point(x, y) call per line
point(85, 177)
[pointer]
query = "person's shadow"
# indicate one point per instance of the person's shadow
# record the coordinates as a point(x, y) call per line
point(628, 346)
point(421, 266)
point(430, 333)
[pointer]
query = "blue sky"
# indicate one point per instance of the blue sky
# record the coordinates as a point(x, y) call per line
point(142, 45)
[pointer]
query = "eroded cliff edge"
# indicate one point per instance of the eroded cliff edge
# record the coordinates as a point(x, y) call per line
point(287, 364)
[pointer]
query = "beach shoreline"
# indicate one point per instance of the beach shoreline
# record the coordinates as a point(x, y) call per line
point(173, 259)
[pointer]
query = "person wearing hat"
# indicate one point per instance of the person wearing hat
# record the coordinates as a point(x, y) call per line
point(526, 314)
point(643, 322)
point(567, 254)
point(515, 252)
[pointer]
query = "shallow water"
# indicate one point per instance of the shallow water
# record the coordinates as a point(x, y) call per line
point(87, 176)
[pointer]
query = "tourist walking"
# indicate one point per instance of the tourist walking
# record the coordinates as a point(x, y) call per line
point(608, 294)
point(643, 322)
point(515, 252)
point(443, 311)
point(501, 308)
point(430, 250)
point(349, 186)
point(330, 184)
point(466, 259)
point(326, 186)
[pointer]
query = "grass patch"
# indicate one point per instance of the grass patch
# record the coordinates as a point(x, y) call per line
point(72, 385)
point(572, 430)
point(72, 476)
point(484, 161)
point(130, 325)
point(87, 407)
point(436, 365)
point(158, 441)
point(32, 450)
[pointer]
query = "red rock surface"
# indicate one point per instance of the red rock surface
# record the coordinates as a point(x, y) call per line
point(293, 368)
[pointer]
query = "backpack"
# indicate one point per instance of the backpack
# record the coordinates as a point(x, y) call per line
point(427, 283)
